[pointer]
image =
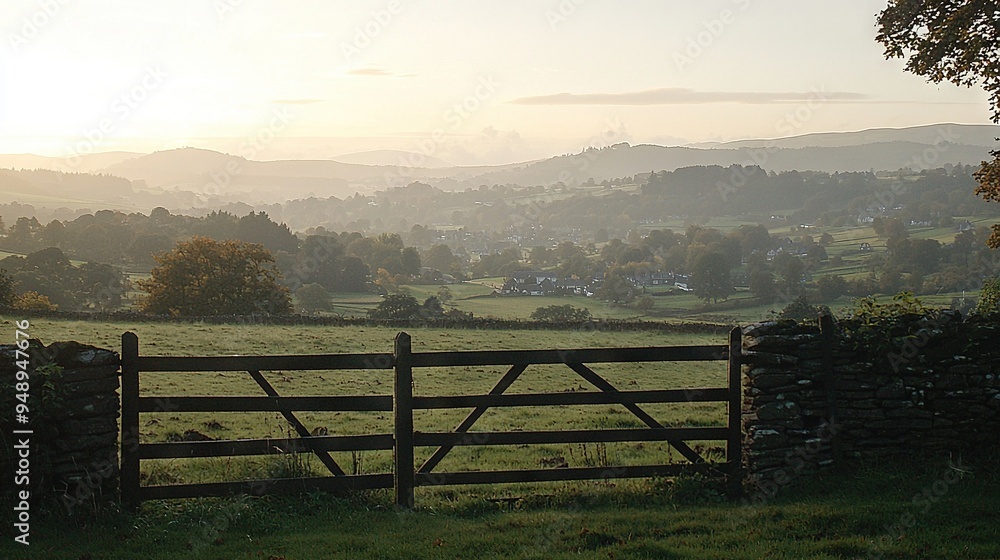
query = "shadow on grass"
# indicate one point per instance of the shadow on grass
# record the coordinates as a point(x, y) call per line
point(934, 507)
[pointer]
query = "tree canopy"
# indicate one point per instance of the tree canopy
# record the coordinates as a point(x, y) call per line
point(396, 307)
point(711, 278)
point(207, 277)
point(956, 41)
point(7, 292)
point(313, 297)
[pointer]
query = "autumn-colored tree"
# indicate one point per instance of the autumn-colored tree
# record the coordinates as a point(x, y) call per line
point(955, 41)
point(207, 277)
point(33, 301)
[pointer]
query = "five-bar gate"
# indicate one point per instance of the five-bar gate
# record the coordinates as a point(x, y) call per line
point(402, 403)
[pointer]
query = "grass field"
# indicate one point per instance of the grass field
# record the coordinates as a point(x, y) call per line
point(924, 509)
point(877, 511)
point(201, 339)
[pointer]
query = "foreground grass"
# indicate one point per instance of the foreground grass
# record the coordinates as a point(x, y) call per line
point(878, 511)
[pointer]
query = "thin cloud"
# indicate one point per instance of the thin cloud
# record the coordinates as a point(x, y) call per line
point(296, 101)
point(685, 96)
point(380, 72)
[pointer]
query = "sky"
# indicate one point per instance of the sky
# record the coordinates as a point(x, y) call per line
point(465, 81)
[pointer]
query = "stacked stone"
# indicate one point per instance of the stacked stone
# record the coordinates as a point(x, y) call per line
point(77, 444)
point(786, 418)
point(809, 402)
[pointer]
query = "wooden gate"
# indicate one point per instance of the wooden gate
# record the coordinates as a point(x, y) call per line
point(403, 403)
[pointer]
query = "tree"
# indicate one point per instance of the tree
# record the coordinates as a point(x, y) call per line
point(800, 310)
point(432, 308)
point(617, 289)
point(50, 273)
point(578, 265)
point(956, 42)
point(710, 277)
point(439, 257)
point(33, 301)
point(410, 261)
point(321, 259)
point(21, 237)
point(207, 277)
point(313, 297)
point(6, 291)
point(561, 314)
point(258, 228)
point(396, 307)
point(645, 303)
point(444, 294)
point(540, 257)
point(790, 269)
point(101, 285)
point(989, 298)
point(829, 288)
point(762, 285)
point(144, 246)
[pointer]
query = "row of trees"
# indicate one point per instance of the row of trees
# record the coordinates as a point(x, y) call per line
point(49, 274)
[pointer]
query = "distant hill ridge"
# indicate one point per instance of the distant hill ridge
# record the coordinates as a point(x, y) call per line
point(211, 178)
point(969, 134)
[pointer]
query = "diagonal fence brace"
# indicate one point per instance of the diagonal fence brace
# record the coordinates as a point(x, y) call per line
point(300, 428)
point(506, 381)
point(597, 381)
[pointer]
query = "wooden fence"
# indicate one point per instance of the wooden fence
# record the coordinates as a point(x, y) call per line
point(402, 403)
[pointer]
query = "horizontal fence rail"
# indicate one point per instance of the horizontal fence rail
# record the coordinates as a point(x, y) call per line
point(258, 363)
point(557, 399)
point(234, 448)
point(378, 403)
point(402, 403)
point(587, 356)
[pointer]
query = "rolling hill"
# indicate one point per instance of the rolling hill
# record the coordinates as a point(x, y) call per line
point(191, 177)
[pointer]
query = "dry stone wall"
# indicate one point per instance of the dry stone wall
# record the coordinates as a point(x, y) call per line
point(74, 407)
point(817, 396)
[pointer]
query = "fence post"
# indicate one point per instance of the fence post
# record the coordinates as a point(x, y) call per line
point(129, 470)
point(734, 443)
point(403, 410)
